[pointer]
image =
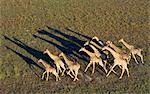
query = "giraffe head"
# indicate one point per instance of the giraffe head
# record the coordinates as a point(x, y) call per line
point(81, 49)
point(104, 48)
point(108, 43)
point(40, 60)
point(99, 41)
point(86, 43)
point(61, 54)
point(96, 38)
point(121, 40)
point(46, 51)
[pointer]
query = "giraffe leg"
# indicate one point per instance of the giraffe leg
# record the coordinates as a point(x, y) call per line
point(123, 69)
point(128, 59)
point(76, 74)
point(88, 66)
point(43, 75)
point(105, 69)
point(58, 68)
point(120, 66)
point(56, 78)
point(110, 70)
point(103, 65)
point(93, 67)
point(56, 75)
point(105, 62)
point(141, 56)
point(135, 59)
point(127, 71)
point(47, 76)
point(70, 74)
point(113, 69)
point(64, 69)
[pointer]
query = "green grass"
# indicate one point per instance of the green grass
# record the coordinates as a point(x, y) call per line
point(107, 19)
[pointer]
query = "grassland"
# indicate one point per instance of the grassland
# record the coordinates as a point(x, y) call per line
point(28, 27)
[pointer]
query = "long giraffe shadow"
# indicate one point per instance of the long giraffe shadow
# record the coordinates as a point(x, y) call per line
point(35, 53)
point(66, 43)
point(71, 48)
point(86, 37)
point(69, 37)
point(28, 60)
point(61, 48)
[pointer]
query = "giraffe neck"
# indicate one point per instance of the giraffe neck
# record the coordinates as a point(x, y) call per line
point(66, 60)
point(96, 45)
point(115, 48)
point(51, 56)
point(44, 64)
point(95, 50)
point(126, 44)
point(115, 55)
point(88, 52)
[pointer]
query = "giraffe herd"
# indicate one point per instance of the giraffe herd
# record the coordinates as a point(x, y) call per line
point(100, 54)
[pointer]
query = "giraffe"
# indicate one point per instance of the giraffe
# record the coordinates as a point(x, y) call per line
point(98, 54)
point(93, 59)
point(117, 61)
point(73, 67)
point(48, 69)
point(134, 51)
point(98, 44)
point(118, 50)
point(95, 44)
point(123, 55)
point(57, 61)
point(99, 41)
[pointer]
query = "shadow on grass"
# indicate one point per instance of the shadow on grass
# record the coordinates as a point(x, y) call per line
point(69, 37)
point(70, 46)
point(61, 48)
point(37, 54)
point(28, 60)
point(87, 37)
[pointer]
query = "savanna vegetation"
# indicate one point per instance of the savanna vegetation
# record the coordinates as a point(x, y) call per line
point(28, 27)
